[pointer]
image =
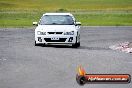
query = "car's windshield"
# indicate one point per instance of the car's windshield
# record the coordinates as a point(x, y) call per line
point(56, 20)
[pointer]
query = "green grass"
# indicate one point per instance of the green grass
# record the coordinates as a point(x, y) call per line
point(70, 5)
point(18, 19)
point(105, 19)
point(21, 13)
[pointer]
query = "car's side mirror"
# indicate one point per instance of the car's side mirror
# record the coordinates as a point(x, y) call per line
point(35, 23)
point(78, 23)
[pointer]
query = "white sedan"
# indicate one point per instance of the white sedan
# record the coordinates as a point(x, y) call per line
point(57, 28)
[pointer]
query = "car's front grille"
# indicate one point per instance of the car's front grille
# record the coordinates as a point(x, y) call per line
point(60, 40)
point(55, 32)
point(51, 32)
point(59, 32)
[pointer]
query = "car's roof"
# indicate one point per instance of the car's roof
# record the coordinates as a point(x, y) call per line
point(58, 14)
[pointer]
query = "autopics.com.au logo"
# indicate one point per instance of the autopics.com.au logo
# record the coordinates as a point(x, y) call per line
point(82, 78)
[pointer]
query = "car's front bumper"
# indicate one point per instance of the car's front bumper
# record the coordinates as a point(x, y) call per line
point(55, 39)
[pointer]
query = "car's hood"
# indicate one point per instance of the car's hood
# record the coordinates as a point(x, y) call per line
point(55, 28)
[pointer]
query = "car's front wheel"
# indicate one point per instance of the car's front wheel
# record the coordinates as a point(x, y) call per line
point(76, 45)
point(35, 44)
point(43, 45)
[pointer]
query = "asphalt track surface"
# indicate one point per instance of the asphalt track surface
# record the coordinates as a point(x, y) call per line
point(23, 65)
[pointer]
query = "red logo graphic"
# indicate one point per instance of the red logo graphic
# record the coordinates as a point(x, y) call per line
point(83, 78)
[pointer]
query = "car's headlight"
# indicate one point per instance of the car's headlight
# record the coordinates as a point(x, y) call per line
point(69, 33)
point(41, 33)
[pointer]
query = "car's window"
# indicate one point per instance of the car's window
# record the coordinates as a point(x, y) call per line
point(56, 20)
